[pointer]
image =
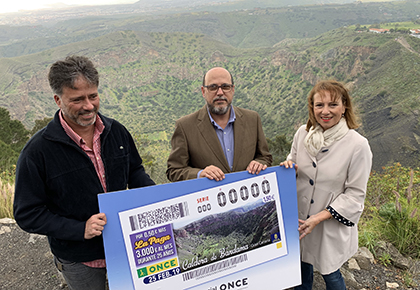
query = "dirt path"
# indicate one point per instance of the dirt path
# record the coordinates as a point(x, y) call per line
point(25, 260)
point(404, 43)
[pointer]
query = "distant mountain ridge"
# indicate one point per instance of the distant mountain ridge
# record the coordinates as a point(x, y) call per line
point(245, 28)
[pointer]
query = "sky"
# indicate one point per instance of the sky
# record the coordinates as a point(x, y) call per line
point(16, 5)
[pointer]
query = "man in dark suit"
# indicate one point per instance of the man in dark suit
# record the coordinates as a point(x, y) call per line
point(219, 138)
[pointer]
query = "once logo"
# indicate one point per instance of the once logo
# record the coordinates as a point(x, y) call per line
point(234, 284)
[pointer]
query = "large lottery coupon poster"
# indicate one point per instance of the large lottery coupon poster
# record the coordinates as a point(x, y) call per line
point(239, 233)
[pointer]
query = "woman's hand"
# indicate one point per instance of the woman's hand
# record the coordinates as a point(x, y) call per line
point(289, 164)
point(306, 226)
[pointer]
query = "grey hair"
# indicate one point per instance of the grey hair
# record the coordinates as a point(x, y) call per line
point(64, 73)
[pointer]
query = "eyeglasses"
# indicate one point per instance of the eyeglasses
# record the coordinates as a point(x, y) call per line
point(214, 88)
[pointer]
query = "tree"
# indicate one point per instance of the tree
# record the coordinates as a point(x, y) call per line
point(8, 158)
point(13, 136)
point(12, 132)
point(39, 124)
point(279, 147)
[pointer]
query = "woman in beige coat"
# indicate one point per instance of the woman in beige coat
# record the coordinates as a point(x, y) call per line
point(334, 163)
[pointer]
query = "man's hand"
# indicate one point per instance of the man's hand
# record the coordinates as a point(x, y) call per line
point(254, 167)
point(213, 172)
point(95, 225)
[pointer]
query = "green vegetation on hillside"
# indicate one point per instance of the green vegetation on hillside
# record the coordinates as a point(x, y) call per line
point(148, 80)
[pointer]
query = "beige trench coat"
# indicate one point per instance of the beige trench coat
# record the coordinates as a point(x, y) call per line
point(337, 176)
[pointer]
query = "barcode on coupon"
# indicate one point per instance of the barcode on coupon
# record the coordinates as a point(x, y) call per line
point(213, 268)
point(158, 216)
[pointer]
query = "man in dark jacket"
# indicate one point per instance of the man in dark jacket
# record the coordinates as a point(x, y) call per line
point(63, 168)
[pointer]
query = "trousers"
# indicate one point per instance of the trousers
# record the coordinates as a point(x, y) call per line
point(333, 281)
point(81, 277)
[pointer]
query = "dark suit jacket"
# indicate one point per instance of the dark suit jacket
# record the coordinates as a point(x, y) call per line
point(195, 144)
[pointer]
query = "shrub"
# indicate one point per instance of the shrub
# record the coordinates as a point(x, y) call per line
point(391, 211)
point(7, 191)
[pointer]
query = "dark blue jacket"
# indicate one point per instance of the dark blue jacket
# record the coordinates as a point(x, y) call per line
point(57, 186)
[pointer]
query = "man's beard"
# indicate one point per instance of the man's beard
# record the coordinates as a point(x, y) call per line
point(78, 121)
point(218, 110)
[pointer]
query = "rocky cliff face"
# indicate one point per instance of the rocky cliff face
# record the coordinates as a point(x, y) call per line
point(389, 118)
point(346, 60)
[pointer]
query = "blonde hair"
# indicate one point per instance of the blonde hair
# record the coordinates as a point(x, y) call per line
point(336, 90)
